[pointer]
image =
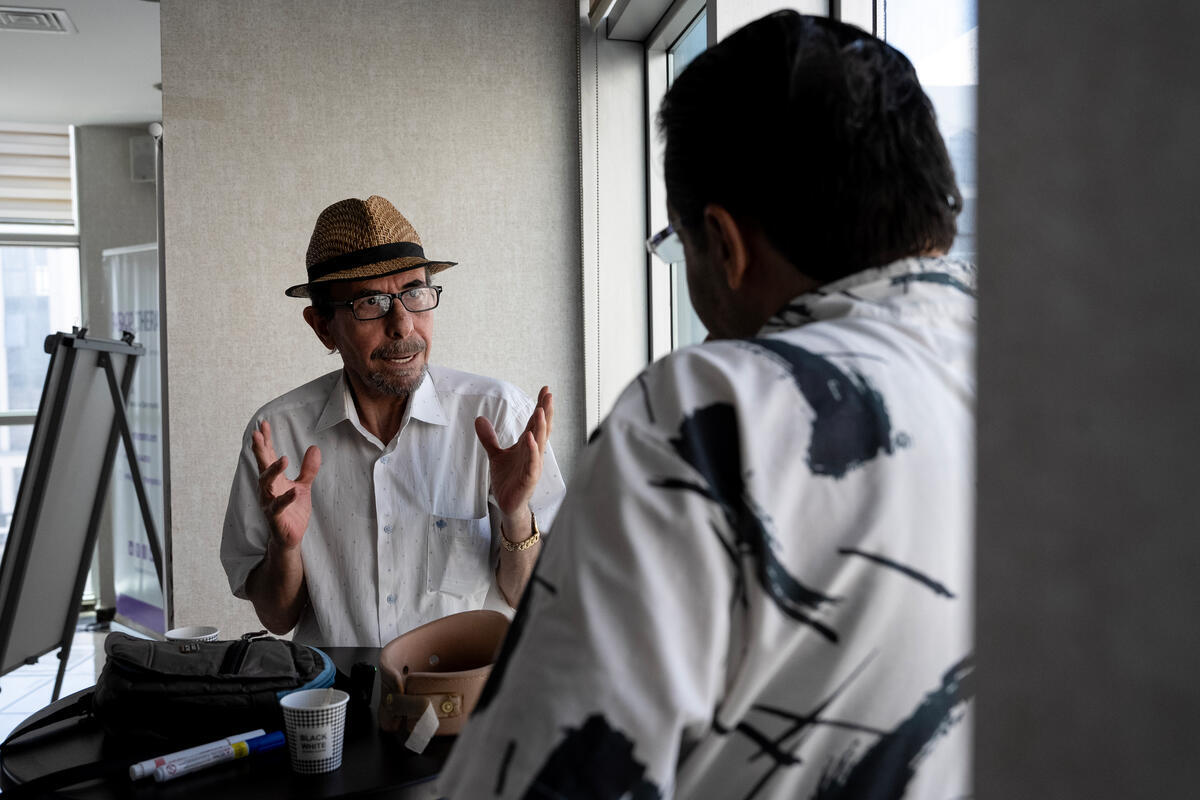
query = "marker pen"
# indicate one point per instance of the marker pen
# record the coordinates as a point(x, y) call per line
point(228, 752)
point(144, 769)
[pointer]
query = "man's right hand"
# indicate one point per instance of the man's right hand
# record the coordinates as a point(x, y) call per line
point(286, 503)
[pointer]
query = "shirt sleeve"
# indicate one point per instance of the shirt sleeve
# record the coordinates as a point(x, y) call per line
point(244, 535)
point(616, 657)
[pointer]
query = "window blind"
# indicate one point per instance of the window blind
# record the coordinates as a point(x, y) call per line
point(35, 174)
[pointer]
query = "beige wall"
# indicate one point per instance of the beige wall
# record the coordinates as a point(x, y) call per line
point(462, 113)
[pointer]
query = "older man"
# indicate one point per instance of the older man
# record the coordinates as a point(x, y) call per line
point(760, 582)
point(405, 507)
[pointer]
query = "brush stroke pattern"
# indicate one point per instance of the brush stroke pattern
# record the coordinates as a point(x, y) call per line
point(937, 586)
point(710, 442)
point(593, 761)
point(889, 765)
point(851, 424)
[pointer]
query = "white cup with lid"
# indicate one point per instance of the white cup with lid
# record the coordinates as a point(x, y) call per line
point(194, 633)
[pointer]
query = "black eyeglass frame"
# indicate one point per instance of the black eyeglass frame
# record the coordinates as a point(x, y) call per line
point(391, 297)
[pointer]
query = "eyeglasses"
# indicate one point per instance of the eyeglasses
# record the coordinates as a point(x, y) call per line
point(374, 306)
point(667, 245)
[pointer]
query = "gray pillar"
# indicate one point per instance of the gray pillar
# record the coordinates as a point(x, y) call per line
point(1089, 400)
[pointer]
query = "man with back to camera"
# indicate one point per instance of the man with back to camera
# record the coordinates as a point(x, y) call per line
point(760, 584)
point(398, 515)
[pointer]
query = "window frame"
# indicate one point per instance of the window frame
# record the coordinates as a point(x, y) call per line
point(660, 277)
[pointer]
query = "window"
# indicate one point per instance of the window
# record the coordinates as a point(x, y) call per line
point(686, 327)
point(939, 37)
point(29, 312)
point(39, 282)
point(692, 43)
point(36, 180)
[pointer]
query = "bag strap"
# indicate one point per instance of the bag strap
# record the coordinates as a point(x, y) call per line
point(81, 709)
point(70, 776)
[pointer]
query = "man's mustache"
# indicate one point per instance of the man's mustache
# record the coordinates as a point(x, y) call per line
point(400, 349)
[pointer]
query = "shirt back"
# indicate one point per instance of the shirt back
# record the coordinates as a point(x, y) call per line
point(760, 582)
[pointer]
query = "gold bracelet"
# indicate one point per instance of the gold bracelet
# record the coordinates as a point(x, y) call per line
point(524, 544)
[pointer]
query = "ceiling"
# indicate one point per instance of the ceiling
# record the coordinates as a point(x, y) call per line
point(103, 74)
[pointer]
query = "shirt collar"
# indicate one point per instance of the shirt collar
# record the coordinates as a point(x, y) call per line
point(939, 281)
point(336, 404)
point(424, 404)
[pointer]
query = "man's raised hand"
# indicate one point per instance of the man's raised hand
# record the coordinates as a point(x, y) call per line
point(286, 503)
point(515, 470)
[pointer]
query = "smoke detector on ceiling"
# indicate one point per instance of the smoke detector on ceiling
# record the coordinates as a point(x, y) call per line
point(35, 20)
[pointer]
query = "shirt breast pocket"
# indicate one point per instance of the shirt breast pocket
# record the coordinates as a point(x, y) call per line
point(459, 555)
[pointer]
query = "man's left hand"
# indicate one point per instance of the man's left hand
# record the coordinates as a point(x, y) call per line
point(515, 470)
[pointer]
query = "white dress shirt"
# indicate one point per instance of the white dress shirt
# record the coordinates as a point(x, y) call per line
point(760, 583)
point(402, 532)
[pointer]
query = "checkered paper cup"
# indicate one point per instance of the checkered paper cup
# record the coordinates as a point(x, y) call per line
point(314, 723)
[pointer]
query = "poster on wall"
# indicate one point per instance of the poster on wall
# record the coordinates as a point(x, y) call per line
point(132, 277)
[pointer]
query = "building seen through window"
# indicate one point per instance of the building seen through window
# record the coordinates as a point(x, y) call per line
point(941, 39)
point(39, 282)
point(40, 289)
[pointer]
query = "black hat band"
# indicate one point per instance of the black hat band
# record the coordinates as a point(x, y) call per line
point(361, 258)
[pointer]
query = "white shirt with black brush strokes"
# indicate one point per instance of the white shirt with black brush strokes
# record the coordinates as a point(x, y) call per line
point(760, 581)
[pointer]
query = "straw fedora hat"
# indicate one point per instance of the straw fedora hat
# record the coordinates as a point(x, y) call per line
point(358, 239)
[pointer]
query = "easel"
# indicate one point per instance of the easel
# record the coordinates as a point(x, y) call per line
point(42, 533)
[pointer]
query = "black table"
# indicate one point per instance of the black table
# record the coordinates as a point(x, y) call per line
point(373, 762)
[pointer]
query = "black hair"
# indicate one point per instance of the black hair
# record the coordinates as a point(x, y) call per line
point(322, 301)
point(819, 133)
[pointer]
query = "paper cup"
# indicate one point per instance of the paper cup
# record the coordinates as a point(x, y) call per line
point(194, 633)
point(314, 722)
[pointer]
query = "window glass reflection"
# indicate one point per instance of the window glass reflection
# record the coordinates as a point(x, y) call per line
point(941, 38)
point(686, 327)
point(39, 295)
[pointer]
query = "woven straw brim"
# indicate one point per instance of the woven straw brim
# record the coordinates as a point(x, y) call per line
point(379, 269)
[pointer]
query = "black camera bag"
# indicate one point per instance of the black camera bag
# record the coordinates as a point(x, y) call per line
point(182, 693)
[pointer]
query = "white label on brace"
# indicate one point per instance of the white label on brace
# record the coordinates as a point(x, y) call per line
point(424, 730)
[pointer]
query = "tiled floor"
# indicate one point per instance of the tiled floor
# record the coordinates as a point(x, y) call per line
point(26, 689)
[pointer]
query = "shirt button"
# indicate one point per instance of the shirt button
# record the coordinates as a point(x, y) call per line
point(383, 460)
point(391, 598)
point(387, 528)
